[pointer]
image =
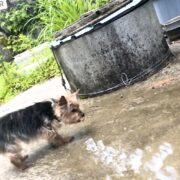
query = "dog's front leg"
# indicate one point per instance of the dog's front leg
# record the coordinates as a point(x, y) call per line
point(54, 138)
point(57, 140)
point(15, 156)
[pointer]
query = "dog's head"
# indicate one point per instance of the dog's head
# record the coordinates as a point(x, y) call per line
point(67, 109)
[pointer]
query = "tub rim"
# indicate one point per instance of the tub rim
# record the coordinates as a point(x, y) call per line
point(122, 11)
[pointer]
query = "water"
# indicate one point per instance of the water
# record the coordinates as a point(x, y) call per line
point(132, 133)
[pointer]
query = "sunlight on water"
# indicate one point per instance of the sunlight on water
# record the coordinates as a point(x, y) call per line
point(121, 161)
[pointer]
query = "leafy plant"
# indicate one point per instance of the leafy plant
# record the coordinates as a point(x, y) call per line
point(19, 25)
point(12, 81)
point(31, 24)
point(57, 14)
point(20, 43)
point(19, 19)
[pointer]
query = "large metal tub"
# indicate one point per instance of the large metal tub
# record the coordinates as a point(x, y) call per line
point(118, 50)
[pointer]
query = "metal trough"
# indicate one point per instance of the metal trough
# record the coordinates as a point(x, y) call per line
point(114, 46)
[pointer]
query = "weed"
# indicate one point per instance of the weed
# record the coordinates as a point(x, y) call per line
point(12, 81)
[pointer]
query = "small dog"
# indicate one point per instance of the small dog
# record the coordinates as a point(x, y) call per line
point(39, 120)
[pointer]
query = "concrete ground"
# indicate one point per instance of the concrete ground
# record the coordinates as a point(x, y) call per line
point(132, 133)
point(50, 89)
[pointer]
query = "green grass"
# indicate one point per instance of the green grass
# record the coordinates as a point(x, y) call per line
point(49, 16)
point(57, 14)
point(13, 82)
point(32, 24)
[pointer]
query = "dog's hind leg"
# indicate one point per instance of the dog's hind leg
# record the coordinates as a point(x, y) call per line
point(16, 158)
point(19, 161)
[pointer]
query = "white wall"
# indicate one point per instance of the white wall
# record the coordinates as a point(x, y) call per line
point(167, 9)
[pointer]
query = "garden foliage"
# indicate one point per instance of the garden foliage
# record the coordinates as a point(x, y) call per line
point(28, 25)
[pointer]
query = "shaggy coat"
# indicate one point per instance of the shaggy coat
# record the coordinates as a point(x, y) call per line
point(25, 124)
point(39, 120)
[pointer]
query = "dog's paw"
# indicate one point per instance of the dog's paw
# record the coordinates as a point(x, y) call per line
point(19, 161)
point(54, 145)
point(24, 166)
point(21, 166)
point(59, 141)
point(68, 139)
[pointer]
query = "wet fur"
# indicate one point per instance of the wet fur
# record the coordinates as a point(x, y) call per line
point(39, 120)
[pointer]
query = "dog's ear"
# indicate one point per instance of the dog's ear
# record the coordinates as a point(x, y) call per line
point(62, 101)
point(75, 94)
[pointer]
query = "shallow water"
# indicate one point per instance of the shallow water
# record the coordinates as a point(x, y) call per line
point(132, 133)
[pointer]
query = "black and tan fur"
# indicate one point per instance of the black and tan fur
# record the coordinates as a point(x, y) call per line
point(39, 120)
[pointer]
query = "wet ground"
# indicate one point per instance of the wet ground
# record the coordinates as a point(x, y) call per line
point(133, 133)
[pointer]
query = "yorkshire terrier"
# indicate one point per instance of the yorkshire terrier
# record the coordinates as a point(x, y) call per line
point(39, 120)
